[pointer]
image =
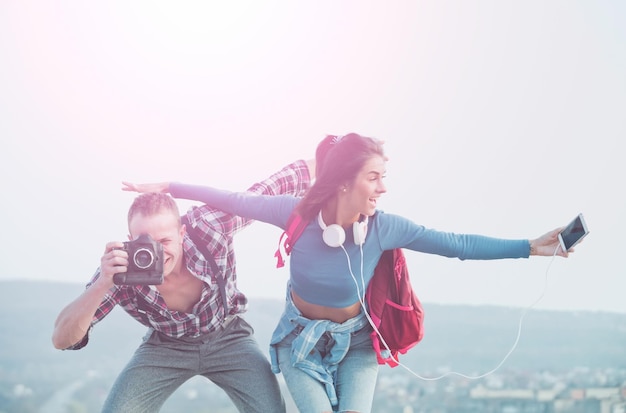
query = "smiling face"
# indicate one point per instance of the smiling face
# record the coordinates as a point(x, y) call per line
point(157, 215)
point(362, 194)
point(164, 227)
point(348, 181)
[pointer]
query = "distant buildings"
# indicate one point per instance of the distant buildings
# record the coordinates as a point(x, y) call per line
point(512, 392)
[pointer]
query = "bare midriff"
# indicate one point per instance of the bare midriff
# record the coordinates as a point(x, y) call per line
point(321, 312)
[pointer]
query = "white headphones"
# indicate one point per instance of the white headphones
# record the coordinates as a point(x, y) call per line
point(334, 235)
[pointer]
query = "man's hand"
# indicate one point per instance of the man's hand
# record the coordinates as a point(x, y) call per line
point(114, 260)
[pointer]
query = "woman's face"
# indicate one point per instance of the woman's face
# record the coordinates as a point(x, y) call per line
point(367, 187)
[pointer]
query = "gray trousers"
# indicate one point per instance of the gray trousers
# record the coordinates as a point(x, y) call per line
point(230, 358)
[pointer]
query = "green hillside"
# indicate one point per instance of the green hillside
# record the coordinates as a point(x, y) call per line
point(471, 340)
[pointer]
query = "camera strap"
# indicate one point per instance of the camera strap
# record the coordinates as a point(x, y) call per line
point(197, 240)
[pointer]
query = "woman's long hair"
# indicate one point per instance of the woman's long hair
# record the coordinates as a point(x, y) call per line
point(338, 160)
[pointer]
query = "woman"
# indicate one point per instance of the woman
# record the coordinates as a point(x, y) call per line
point(322, 343)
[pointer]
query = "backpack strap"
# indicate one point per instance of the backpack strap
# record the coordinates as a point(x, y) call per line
point(219, 276)
point(294, 228)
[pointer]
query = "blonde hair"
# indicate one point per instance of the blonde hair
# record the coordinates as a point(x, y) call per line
point(152, 203)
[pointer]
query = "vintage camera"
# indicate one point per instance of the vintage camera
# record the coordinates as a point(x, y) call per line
point(145, 262)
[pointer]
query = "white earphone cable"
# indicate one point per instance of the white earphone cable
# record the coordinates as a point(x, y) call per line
point(513, 347)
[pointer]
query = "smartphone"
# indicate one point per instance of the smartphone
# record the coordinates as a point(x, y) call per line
point(573, 233)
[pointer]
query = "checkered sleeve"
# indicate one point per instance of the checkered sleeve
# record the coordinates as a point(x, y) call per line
point(293, 179)
point(109, 302)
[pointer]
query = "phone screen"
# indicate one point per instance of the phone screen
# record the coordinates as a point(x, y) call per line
point(573, 233)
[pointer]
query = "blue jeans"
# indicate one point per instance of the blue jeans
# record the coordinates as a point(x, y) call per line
point(230, 358)
point(355, 380)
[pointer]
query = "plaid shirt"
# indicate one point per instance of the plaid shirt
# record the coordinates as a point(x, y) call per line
point(216, 228)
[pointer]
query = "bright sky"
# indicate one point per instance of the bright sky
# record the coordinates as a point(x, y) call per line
point(502, 118)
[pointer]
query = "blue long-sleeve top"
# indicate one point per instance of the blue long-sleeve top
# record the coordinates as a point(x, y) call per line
point(321, 274)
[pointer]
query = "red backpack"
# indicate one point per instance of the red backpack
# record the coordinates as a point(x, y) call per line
point(392, 305)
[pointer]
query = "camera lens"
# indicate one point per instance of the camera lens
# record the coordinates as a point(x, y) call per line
point(143, 258)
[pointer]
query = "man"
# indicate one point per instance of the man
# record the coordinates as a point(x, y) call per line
point(192, 331)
